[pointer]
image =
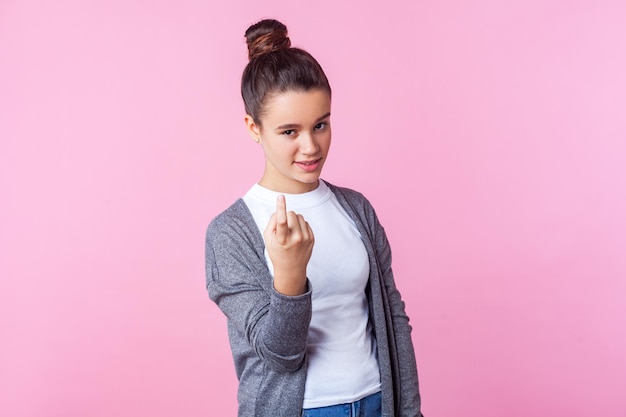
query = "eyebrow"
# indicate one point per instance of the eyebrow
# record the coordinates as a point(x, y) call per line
point(295, 125)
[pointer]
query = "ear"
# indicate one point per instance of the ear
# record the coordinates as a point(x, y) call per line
point(253, 128)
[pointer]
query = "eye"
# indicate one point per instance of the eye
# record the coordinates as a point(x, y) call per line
point(321, 126)
point(288, 132)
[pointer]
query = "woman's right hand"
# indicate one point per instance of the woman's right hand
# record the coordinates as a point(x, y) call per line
point(289, 241)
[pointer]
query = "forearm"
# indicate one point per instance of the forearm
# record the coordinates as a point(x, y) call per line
point(274, 325)
point(282, 336)
point(410, 401)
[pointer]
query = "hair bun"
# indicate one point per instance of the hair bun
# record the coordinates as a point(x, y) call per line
point(266, 36)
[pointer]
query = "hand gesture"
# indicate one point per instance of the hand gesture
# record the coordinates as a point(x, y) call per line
point(289, 241)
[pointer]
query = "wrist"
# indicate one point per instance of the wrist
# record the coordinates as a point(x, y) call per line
point(290, 284)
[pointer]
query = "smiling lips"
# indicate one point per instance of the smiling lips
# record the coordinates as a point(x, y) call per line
point(309, 165)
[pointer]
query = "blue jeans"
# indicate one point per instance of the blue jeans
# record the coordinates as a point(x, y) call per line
point(367, 407)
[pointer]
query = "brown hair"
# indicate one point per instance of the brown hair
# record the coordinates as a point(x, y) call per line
point(276, 67)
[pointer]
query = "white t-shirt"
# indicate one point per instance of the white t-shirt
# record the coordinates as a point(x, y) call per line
point(341, 352)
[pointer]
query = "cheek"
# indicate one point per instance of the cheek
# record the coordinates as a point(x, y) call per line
point(326, 140)
point(282, 149)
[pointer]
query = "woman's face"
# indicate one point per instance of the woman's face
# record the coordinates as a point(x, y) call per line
point(295, 136)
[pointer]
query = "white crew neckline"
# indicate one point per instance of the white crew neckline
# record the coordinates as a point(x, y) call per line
point(310, 199)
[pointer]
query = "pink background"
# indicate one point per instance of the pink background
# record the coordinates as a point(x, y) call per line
point(490, 136)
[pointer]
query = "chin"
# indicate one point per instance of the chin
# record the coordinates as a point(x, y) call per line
point(309, 183)
point(310, 180)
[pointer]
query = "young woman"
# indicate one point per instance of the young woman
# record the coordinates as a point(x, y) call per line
point(302, 268)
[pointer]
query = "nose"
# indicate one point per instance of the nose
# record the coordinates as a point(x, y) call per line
point(308, 144)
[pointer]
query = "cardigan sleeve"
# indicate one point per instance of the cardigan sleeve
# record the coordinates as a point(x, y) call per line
point(275, 326)
point(409, 397)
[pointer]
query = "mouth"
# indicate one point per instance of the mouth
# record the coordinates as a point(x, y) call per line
point(309, 165)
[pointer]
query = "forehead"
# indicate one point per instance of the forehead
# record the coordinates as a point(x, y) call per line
point(298, 107)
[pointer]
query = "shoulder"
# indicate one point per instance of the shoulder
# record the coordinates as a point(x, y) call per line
point(238, 211)
point(360, 210)
point(235, 223)
point(350, 195)
point(354, 202)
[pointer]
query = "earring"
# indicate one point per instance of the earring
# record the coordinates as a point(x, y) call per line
point(257, 140)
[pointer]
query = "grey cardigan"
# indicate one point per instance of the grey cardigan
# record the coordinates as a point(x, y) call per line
point(268, 331)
